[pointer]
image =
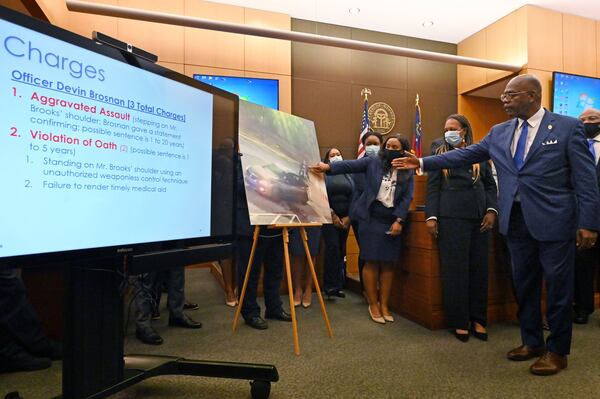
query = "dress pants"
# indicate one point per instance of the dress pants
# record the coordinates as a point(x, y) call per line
point(269, 251)
point(19, 323)
point(586, 263)
point(533, 260)
point(464, 271)
point(145, 289)
point(335, 250)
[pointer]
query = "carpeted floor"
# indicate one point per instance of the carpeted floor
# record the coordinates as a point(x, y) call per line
point(363, 360)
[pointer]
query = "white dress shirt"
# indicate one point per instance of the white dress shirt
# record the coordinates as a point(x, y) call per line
point(534, 125)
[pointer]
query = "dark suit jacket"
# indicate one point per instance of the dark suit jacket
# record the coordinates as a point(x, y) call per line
point(457, 196)
point(557, 184)
point(373, 170)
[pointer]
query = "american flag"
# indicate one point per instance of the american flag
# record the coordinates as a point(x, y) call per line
point(416, 143)
point(363, 130)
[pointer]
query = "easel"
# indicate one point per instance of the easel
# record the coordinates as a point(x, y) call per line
point(286, 239)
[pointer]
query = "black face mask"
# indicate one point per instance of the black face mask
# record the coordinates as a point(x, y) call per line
point(591, 130)
point(390, 155)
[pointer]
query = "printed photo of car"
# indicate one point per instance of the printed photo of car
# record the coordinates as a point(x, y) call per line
point(274, 183)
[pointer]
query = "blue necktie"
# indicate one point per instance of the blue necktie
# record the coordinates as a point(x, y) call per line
point(519, 156)
point(591, 148)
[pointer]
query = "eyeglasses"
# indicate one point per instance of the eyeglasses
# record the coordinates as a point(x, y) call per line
point(511, 94)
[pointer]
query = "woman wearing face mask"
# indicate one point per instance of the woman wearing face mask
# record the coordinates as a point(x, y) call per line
point(382, 211)
point(339, 192)
point(371, 141)
point(460, 210)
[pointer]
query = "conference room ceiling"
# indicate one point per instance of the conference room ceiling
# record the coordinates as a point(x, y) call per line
point(451, 20)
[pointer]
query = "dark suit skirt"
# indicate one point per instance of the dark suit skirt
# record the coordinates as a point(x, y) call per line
point(375, 245)
point(297, 247)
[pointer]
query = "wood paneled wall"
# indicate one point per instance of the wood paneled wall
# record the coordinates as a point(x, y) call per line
point(541, 40)
point(189, 50)
point(327, 83)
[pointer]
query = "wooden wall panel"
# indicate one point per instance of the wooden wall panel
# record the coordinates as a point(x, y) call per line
point(210, 48)
point(482, 112)
point(506, 41)
point(164, 40)
point(544, 39)
point(545, 78)
point(329, 105)
point(267, 55)
point(180, 68)
point(333, 63)
point(597, 48)
point(579, 45)
point(83, 24)
point(469, 78)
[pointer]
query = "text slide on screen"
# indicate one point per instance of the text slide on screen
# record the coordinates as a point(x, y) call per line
point(95, 152)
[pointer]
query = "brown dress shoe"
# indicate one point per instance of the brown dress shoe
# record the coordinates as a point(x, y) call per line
point(525, 352)
point(550, 363)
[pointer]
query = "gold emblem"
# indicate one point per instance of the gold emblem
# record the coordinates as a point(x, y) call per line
point(381, 118)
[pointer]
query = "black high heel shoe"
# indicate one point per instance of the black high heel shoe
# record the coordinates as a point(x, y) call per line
point(479, 335)
point(461, 337)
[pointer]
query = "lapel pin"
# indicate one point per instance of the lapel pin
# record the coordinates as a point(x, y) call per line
point(549, 127)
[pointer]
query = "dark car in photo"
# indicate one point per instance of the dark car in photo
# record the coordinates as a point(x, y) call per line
point(274, 183)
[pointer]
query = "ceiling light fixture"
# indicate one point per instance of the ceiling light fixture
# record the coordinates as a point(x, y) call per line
point(354, 10)
point(427, 24)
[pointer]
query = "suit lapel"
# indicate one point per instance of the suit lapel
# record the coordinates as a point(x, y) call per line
point(510, 133)
point(543, 131)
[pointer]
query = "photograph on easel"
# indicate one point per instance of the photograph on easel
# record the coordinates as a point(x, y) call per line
point(277, 150)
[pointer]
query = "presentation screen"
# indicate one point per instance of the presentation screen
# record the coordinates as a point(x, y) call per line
point(259, 91)
point(97, 152)
point(572, 94)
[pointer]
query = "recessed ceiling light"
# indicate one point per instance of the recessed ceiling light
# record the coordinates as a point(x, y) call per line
point(354, 10)
point(427, 24)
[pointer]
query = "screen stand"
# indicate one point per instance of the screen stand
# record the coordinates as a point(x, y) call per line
point(286, 239)
point(94, 365)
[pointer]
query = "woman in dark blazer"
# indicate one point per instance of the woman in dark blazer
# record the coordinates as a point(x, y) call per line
point(460, 210)
point(382, 211)
point(339, 192)
point(372, 143)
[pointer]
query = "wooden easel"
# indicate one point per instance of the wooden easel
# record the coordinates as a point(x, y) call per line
point(286, 239)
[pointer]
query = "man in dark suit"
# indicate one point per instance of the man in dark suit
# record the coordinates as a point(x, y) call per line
point(268, 252)
point(586, 261)
point(548, 204)
point(23, 344)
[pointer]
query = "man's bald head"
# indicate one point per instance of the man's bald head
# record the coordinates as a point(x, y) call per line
point(522, 96)
point(590, 115)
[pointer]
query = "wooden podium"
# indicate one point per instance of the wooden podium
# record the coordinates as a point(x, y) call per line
point(286, 239)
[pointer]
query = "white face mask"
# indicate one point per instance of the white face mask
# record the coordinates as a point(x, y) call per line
point(453, 137)
point(371, 150)
point(336, 158)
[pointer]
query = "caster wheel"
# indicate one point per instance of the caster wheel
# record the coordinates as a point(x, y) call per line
point(260, 389)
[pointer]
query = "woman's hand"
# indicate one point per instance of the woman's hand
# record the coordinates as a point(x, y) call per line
point(395, 229)
point(345, 222)
point(336, 221)
point(488, 221)
point(321, 167)
point(432, 227)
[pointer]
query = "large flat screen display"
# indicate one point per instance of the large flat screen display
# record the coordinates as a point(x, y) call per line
point(572, 94)
point(98, 153)
point(259, 91)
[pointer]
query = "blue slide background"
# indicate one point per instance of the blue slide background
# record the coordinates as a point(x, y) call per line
point(39, 219)
point(573, 94)
point(259, 91)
